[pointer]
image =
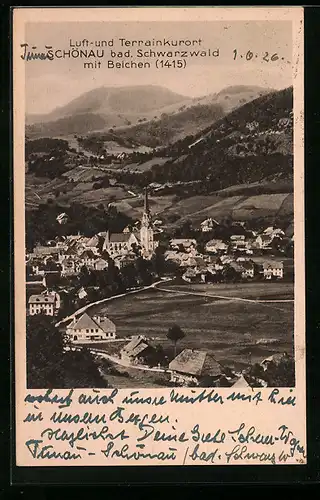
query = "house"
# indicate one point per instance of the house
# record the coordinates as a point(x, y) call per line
point(123, 260)
point(100, 264)
point(92, 244)
point(238, 242)
point(82, 294)
point(215, 246)
point(88, 258)
point(190, 276)
point(264, 241)
point(183, 243)
point(208, 225)
point(70, 266)
point(47, 303)
point(179, 258)
point(237, 237)
point(62, 218)
point(138, 351)
point(272, 270)
point(42, 251)
point(247, 269)
point(191, 365)
point(86, 328)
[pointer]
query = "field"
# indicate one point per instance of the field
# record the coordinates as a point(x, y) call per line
point(235, 331)
point(197, 208)
point(39, 190)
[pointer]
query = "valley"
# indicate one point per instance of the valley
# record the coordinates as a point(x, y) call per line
point(237, 163)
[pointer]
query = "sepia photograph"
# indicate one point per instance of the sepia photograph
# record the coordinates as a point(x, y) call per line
point(159, 205)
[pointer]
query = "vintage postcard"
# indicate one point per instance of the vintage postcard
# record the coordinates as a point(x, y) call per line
point(159, 236)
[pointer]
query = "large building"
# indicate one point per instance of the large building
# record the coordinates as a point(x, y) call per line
point(122, 243)
point(86, 328)
point(45, 303)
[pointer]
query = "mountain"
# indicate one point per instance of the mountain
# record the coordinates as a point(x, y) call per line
point(244, 161)
point(252, 142)
point(241, 165)
point(150, 114)
point(116, 106)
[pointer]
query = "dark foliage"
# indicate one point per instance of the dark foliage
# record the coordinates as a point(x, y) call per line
point(50, 365)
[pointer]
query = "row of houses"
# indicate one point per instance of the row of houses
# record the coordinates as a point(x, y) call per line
point(237, 242)
point(190, 366)
point(199, 267)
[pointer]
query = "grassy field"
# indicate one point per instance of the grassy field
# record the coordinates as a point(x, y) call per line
point(241, 207)
point(216, 325)
point(39, 190)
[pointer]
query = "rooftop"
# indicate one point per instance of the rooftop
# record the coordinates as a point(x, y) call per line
point(135, 346)
point(86, 322)
point(119, 237)
point(183, 241)
point(41, 299)
point(195, 363)
point(273, 265)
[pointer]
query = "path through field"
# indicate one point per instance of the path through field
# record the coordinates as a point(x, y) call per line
point(258, 301)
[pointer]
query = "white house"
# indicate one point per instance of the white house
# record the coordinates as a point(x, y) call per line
point(264, 241)
point(208, 224)
point(45, 303)
point(215, 246)
point(70, 266)
point(273, 269)
point(100, 265)
point(88, 258)
point(62, 218)
point(86, 328)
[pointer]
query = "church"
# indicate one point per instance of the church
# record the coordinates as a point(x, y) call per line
point(123, 243)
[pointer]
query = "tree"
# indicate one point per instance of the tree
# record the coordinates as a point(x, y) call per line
point(45, 345)
point(51, 363)
point(175, 334)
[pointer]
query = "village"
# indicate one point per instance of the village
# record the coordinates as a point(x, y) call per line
point(69, 274)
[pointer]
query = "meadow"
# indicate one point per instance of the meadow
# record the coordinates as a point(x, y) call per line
point(235, 332)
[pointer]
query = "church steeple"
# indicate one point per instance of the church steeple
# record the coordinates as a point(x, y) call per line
point(146, 201)
point(146, 231)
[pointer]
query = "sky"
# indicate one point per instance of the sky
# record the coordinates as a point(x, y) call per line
point(50, 84)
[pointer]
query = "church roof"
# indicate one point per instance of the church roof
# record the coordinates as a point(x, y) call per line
point(120, 237)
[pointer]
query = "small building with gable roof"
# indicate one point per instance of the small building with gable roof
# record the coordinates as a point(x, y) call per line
point(191, 365)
